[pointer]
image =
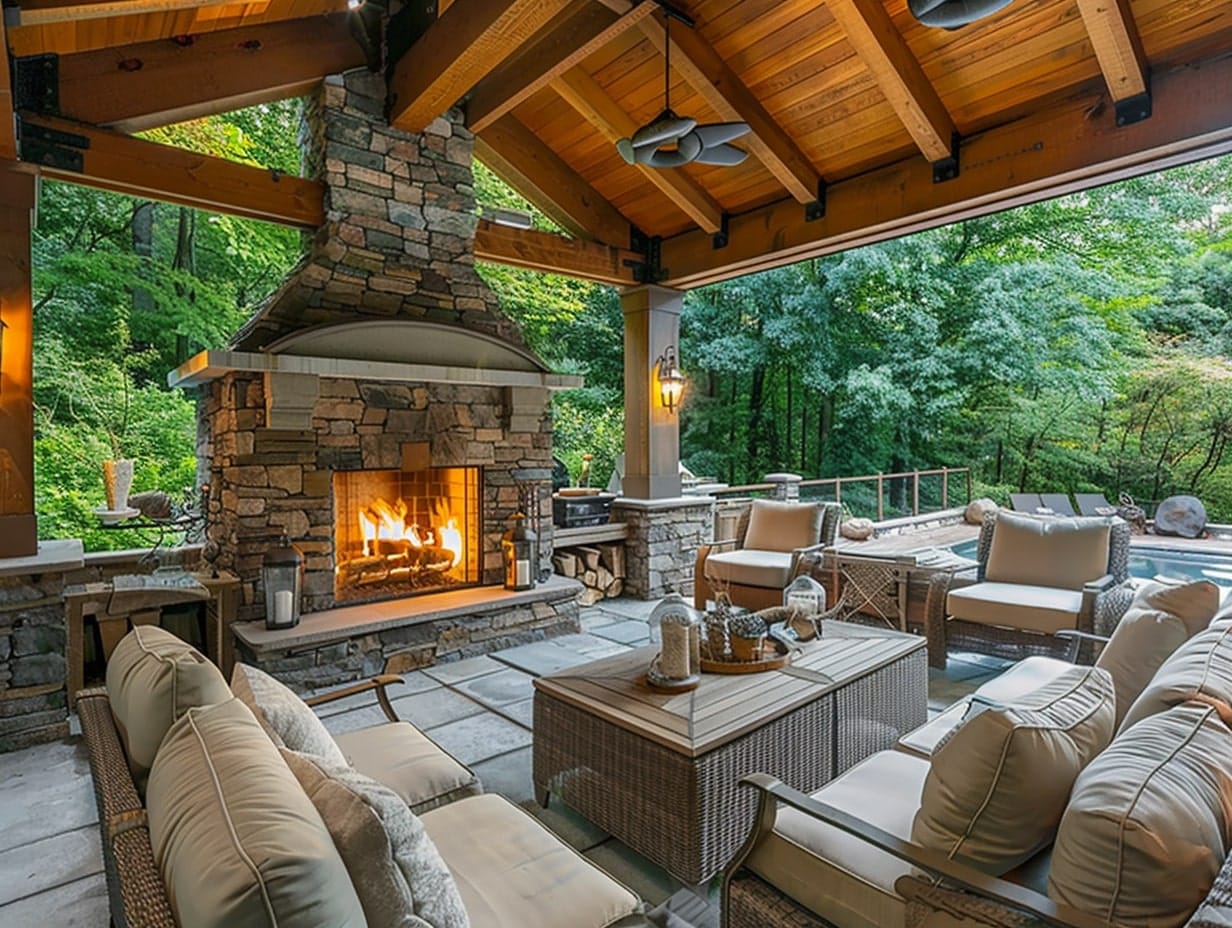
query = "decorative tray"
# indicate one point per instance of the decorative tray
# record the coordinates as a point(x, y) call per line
point(773, 656)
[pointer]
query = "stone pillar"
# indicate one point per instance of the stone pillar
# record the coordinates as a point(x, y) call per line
point(652, 433)
point(786, 486)
point(661, 547)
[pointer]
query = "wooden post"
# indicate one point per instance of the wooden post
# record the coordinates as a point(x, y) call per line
point(945, 488)
point(18, 528)
point(652, 433)
point(970, 488)
point(915, 493)
point(838, 490)
point(880, 501)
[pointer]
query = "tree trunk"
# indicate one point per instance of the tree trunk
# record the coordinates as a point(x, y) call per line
point(143, 245)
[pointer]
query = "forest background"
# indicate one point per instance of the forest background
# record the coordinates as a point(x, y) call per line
point(1075, 345)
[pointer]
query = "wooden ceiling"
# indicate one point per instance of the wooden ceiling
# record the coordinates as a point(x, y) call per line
point(857, 109)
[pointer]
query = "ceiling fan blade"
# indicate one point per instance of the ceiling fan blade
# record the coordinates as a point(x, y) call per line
point(687, 149)
point(717, 133)
point(666, 127)
point(626, 149)
point(724, 154)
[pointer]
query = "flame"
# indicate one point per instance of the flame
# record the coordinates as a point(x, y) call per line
point(381, 520)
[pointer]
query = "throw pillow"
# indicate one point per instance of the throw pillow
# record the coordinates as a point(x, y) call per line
point(289, 721)
point(1065, 553)
point(1147, 827)
point(775, 526)
point(1203, 664)
point(997, 787)
point(397, 872)
point(1160, 619)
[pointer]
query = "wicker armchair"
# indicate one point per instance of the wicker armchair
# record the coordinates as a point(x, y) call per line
point(986, 614)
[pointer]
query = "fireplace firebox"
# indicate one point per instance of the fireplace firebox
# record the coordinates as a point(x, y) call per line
point(399, 533)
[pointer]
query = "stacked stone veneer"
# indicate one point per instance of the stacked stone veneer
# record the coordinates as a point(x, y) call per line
point(32, 670)
point(661, 547)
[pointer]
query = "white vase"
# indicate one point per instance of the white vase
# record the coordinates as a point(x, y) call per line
point(118, 478)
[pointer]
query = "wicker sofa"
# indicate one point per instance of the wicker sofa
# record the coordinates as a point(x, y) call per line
point(275, 854)
point(855, 854)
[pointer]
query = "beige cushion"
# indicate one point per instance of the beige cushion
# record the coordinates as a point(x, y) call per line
point(153, 678)
point(748, 567)
point(997, 787)
point(397, 873)
point(237, 842)
point(286, 718)
point(831, 872)
point(514, 873)
point(1203, 665)
point(1040, 609)
point(1146, 830)
point(1048, 551)
point(407, 761)
point(1161, 618)
point(775, 526)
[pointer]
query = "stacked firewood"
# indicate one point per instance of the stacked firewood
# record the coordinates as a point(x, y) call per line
point(600, 568)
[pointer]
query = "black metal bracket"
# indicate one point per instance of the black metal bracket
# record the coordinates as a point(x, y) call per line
point(719, 239)
point(676, 13)
point(51, 147)
point(947, 168)
point(36, 83)
point(649, 270)
point(817, 209)
point(1134, 109)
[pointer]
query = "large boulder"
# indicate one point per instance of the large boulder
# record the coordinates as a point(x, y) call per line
point(1181, 515)
point(977, 509)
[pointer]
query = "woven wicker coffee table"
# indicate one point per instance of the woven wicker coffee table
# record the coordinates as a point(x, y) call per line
point(659, 771)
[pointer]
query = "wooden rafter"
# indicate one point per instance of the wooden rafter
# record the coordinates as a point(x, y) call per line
point(570, 44)
point(872, 34)
point(585, 95)
point(8, 137)
point(46, 12)
point(466, 43)
point(121, 163)
point(1073, 146)
point(155, 83)
point(550, 253)
point(1110, 24)
point(538, 173)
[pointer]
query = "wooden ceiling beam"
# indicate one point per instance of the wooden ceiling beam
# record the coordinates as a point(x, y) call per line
point(8, 127)
point(872, 34)
point(1118, 48)
point(584, 94)
point(132, 166)
point(47, 12)
point(157, 83)
point(530, 71)
point(555, 254)
point(535, 171)
point(708, 74)
point(1072, 146)
point(465, 43)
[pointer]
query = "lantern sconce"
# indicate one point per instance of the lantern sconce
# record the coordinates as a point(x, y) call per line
point(671, 380)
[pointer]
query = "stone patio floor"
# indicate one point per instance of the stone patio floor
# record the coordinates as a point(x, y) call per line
point(479, 709)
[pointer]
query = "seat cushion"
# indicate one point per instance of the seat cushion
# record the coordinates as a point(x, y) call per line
point(407, 761)
point(153, 678)
point(1147, 827)
point(997, 787)
point(1048, 551)
point(1012, 605)
point(831, 872)
point(747, 567)
point(1203, 664)
point(1161, 618)
point(396, 870)
point(237, 841)
point(288, 720)
point(512, 872)
point(776, 526)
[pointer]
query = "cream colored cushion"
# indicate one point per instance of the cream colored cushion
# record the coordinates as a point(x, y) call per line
point(831, 872)
point(1048, 551)
point(153, 678)
point(998, 786)
point(394, 866)
point(514, 873)
point(406, 760)
point(237, 842)
point(286, 718)
point(1203, 665)
point(1041, 609)
point(1161, 618)
point(1147, 827)
point(748, 567)
point(775, 526)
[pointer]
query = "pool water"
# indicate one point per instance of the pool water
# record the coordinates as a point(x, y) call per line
point(1158, 562)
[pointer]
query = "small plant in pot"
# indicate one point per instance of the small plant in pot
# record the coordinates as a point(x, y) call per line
point(747, 633)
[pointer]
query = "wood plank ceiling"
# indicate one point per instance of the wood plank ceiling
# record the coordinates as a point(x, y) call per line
point(854, 96)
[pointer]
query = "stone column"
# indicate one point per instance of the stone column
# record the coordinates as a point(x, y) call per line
point(652, 433)
point(661, 547)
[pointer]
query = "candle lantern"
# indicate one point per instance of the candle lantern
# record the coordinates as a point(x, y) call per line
point(679, 660)
point(519, 546)
point(805, 595)
point(282, 572)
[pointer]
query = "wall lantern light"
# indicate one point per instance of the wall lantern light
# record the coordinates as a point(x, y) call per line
point(671, 380)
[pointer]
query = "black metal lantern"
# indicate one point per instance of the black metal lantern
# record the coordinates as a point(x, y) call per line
point(518, 545)
point(282, 573)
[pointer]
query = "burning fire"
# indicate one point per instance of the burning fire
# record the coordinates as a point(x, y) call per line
point(385, 531)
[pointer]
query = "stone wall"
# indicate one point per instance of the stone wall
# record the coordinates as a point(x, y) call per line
point(661, 548)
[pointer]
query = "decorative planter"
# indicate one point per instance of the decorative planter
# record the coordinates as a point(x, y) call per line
point(747, 633)
point(118, 479)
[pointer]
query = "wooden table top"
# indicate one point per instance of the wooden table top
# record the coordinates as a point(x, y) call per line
point(724, 706)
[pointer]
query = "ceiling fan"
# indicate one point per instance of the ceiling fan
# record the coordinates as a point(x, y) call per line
point(954, 14)
point(669, 140)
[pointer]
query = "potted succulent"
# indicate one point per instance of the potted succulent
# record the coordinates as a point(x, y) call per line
point(746, 633)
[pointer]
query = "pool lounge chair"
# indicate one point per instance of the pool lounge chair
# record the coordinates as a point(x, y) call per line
point(1090, 504)
point(1025, 502)
point(1058, 503)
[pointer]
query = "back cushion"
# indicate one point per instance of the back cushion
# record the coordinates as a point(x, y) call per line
point(775, 526)
point(237, 841)
point(287, 718)
point(1161, 618)
point(1146, 830)
point(997, 787)
point(1202, 665)
point(153, 678)
point(1047, 551)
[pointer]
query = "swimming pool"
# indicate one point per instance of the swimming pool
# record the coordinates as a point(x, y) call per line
point(1148, 562)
